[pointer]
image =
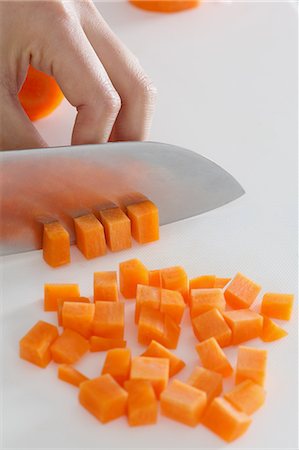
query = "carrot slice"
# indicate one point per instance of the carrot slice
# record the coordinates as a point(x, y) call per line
point(172, 304)
point(165, 6)
point(109, 320)
point(56, 244)
point(202, 300)
point(118, 364)
point(90, 236)
point(154, 370)
point(212, 324)
point(244, 323)
point(60, 302)
point(131, 273)
point(69, 374)
point(100, 344)
point(154, 278)
point(146, 296)
point(183, 403)
point(175, 278)
point(78, 317)
point(206, 380)
point(241, 292)
point(52, 292)
point(277, 306)
point(247, 396)
point(202, 282)
point(212, 357)
point(158, 350)
point(221, 282)
point(142, 402)
point(105, 286)
point(69, 347)
point(35, 345)
point(104, 398)
point(251, 365)
point(144, 218)
point(117, 228)
point(271, 331)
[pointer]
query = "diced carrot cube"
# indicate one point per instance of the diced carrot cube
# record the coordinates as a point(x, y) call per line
point(118, 364)
point(150, 325)
point(142, 402)
point(69, 347)
point(52, 292)
point(225, 420)
point(172, 304)
point(56, 244)
point(144, 218)
point(251, 365)
point(35, 345)
point(277, 306)
point(109, 320)
point(213, 357)
point(155, 370)
point(158, 350)
point(172, 333)
point(247, 396)
point(202, 300)
point(60, 302)
point(105, 287)
point(175, 278)
point(78, 317)
point(146, 296)
point(100, 344)
point(221, 282)
point(244, 323)
point(183, 403)
point(69, 374)
point(206, 380)
point(212, 324)
point(271, 331)
point(104, 398)
point(241, 292)
point(154, 278)
point(90, 236)
point(117, 228)
point(131, 273)
point(202, 282)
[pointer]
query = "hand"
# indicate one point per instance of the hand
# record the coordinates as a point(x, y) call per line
point(96, 72)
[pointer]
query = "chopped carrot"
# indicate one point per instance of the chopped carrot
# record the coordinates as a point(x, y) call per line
point(251, 365)
point(212, 324)
point(109, 320)
point(241, 292)
point(154, 278)
point(172, 304)
point(155, 370)
point(78, 317)
point(56, 244)
point(100, 344)
point(221, 282)
point(244, 323)
point(52, 292)
point(142, 402)
point(144, 218)
point(146, 296)
point(35, 345)
point(117, 228)
point(118, 364)
point(150, 325)
point(131, 273)
point(105, 286)
point(202, 300)
point(165, 6)
point(247, 396)
point(213, 357)
point(271, 331)
point(277, 306)
point(206, 380)
point(184, 403)
point(158, 350)
point(172, 332)
point(90, 236)
point(175, 278)
point(225, 420)
point(69, 347)
point(60, 302)
point(202, 282)
point(69, 374)
point(104, 398)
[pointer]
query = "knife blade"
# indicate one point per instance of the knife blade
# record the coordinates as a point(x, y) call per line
point(39, 185)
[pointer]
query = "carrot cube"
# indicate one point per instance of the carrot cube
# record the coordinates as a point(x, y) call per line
point(202, 282)
point(142, 402)
point(175, 278)
point(247, 396)
point(221, 282)
point(172, 304)
point(35, 345)
point(90, 236)
point(225, 420)
point(157, 350)
point(56, 244)
point(154, 278)
point(69, 347)
point(131, 273)
point(148, 296)
point(271, 331)
point(202, 300)
point(171, 333)
point(105, 287)
point(241, 292)
point(150, 325)
point(70, 375)
point(244, 323)
point(117, 228)
point(78, 317)
point(251, 365)
point(144, 218)
point(155, 370)
point(118, 364)
point(183, 403)
point(277, 306)
point(109, 320)
point(52, 292)
point(207, 381)
point(60, 302)
point(104, 398)
point(212, 324)
point(213, 357)
point(100, 344)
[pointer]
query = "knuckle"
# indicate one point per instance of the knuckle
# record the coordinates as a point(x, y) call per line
point(112, 102)
point(146, 89)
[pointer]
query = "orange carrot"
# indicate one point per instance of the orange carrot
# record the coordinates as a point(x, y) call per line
point(154, 278)
point(157, 350)
point(277, 306)
point(90, 236)
point(202, 300)
point(52, 292)
point(60, 302)
point(175, 278)
point(131, 273)
point(172, 333)
point(241, 292)
point(251, 365)
point(70, 375)
point(142, 402)
point(212, 357)
point(109, 320)
point(206, 380)
point(78, 317)
point(118, 364)
point(172, 304)
point(146, 296)
point(221, 282)
point(69, 347)
point(105, 286)
point(155, 370)
point(56, 244)
point(117, 228)
point(144, 218)
point(165, 6)
point(150, 325)
point(212, 324)
point(244, 323)
point(100, 344)
point(271, 331)
point(202, 282)
point(247, 396)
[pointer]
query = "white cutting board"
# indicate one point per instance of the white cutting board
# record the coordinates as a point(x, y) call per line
point(226, 75)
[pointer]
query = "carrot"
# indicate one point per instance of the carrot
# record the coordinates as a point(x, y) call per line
point(183, 403)
point(213, 358)
point(109, 320)
point(154, 370)
point(118, 364)
point(157, 350)
point(154, 278)
point(78, 317)
point(245, 324)
point(142, 402)
point(148, 296)
point(56, 244)
point(155, 325)
point(202, 300)
point(241, 292)
point(52, 292)
point(100, 344)
point(212, 324)
point(251, 365)
point(131, 273)
point(90, 236)
point(35, 345)
point(104, 398)
point(165, 6)
point(69, 347)
point(221, 282)
point(207, 381)
point(277, 306)
point(144, 218)
point(202, 282)
point(172, 304)
point(105, 286)
point(172, 333)
point(60, 302)
point(70, 375)
point(247, 396)
point(225, 420)
point(271, 331)
point(175, 278)
point(117, 228)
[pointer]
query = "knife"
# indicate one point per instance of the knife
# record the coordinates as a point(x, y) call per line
point(42, 185)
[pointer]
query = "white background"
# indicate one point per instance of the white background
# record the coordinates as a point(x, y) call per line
point(226, 76)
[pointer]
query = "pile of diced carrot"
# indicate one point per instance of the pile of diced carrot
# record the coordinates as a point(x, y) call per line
point(221, 315)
